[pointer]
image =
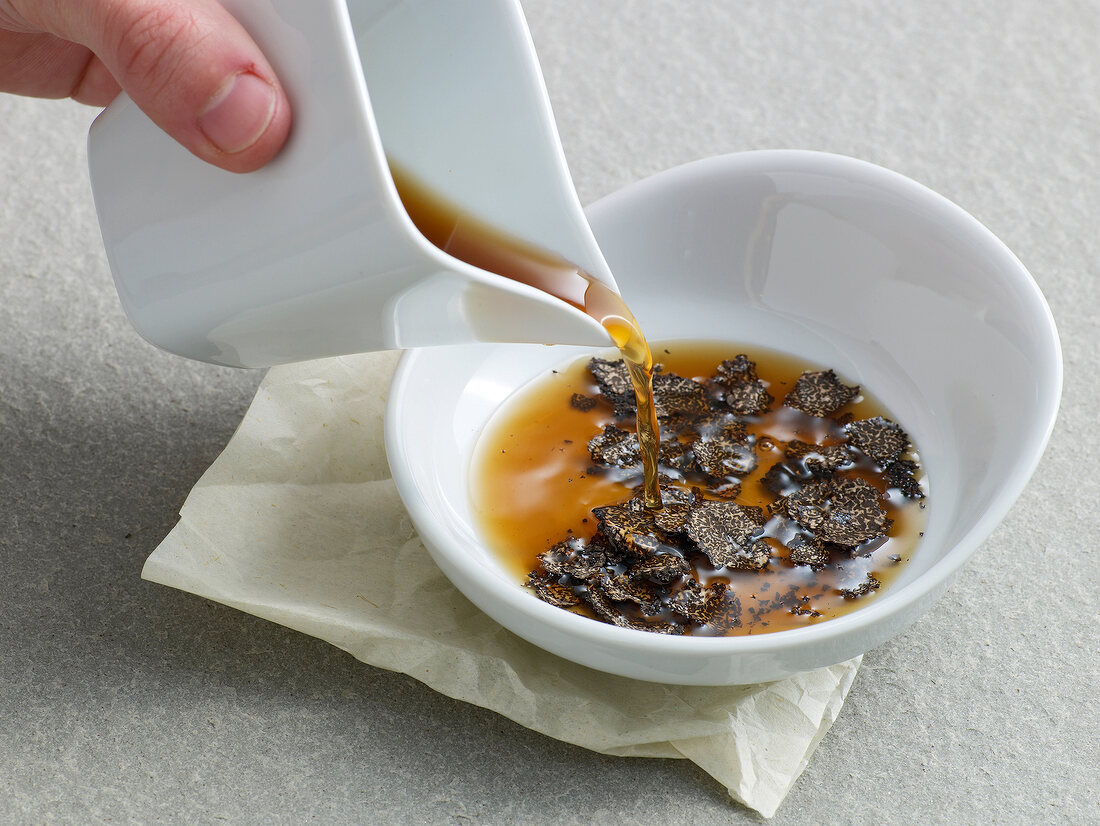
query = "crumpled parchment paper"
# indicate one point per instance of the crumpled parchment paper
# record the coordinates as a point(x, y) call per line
point(299, 522)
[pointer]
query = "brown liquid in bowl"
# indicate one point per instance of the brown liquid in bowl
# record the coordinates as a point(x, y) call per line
point(532, 485)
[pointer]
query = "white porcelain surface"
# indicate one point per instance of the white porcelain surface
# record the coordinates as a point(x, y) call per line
point(828, 258)
point(313, 255)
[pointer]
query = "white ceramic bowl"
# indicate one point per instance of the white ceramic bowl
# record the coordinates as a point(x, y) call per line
point(828, 258)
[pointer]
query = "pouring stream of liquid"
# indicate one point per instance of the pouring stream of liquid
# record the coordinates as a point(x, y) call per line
point(481, 245)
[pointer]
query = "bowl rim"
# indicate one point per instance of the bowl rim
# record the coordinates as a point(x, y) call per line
point(891, 603)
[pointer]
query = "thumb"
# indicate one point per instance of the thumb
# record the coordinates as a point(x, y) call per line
point(195, 71)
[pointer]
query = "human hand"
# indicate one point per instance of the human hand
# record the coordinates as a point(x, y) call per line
point(188, 64)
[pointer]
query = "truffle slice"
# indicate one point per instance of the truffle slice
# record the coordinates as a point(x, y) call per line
point(691, 601)
point(724, 531)
point(578, 401)
point(722, 491)
point(675, 501)
point(672, 518)
point(629, 530)
point(781, 481)
point(820, 393)
point(601, 604)
point(843, 511)
point(675, 395)
point(620, 448)
point(715, 605)
point(744, 393)
point(757, 556)
point(549, 589)
point(748, 398)
point(672, 394)
point(573, 557)
point(899, 475)
point(600, 545)
point(625, 589)
point(819, 460)
point(615, 447)
point(715, 423)
point(808, 550)
point(727, 454)
point(869, 584)
point(660, 568)
point(881, 439)
point(671, 494)
point(674, 454)
point(738, 369)
point(613, 379)
point(724, 613)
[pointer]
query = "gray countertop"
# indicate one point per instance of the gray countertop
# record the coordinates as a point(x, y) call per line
point(124, 701)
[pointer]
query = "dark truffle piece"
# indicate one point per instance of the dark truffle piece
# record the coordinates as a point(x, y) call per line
point(672, 518)
point(549, 589)
point(740, 368)
point(744, 393)
point(574, 558)
point(820, 393)
point(881, 439)
point(726, 614)
point(748, 398)
point(724, 532)
point(675, 501)
point(780, 480)
point(691, 601)
point(581, 402)
point(757, 556)
point(554, 559)
point(819, 460)
point(804, 462)
point(803, 611)
point(869, 584)
point(613, 379)
point(900, 475)
point(620, 448)
point(808, 506)
point(673, 495)
point(629, 530)
point(727, 454)
point(715, 605)
point(719, 490)
point(674, 454)
point(808, 550)
point(662, 568)
point(623, 588)
point(674, 395)
point(843, 511)
point(615, 447)
point(603, 607)
point(670, 495)
point(714, 423)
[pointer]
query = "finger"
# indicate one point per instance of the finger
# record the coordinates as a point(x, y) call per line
point(96, 86)
point(45, 66)
point(193, 69)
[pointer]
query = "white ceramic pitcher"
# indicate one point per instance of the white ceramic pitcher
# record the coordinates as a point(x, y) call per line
point(314, 255)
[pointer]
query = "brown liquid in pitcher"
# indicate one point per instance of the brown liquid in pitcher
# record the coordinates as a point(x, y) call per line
point(472, 240)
